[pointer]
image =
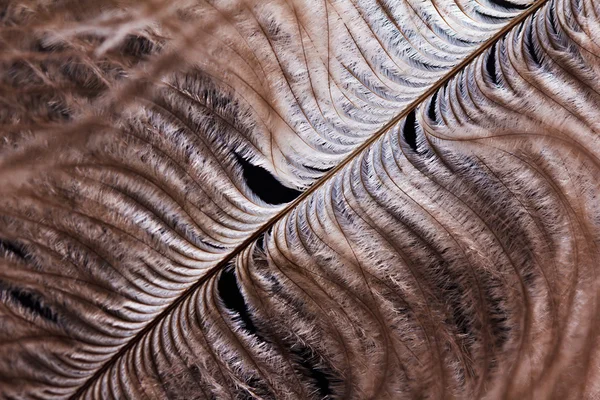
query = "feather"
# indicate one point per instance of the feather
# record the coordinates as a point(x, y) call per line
point(449, 252)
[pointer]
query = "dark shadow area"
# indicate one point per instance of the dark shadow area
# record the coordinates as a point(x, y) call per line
point(321, 379)
point(509, 5)
point(317, 169)
point(552, 19)
point(409, 132)
point(260, 242)
point(14, 248)
point(530, 47)
point(490, 64)
point(30, 301)
point(431, 110)
point(233, 299)
point(264, 185)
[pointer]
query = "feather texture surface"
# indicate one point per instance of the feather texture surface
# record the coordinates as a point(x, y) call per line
point(454, 257)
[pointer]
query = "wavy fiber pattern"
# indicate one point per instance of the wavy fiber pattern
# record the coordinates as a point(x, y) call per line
point(453, 258)
point(140, 152)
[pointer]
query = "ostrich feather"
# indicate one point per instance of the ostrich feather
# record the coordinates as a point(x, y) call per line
point(444, 239)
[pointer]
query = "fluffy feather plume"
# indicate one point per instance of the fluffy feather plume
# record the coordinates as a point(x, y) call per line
point(452, 257)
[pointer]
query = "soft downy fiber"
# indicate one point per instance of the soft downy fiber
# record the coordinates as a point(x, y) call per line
point(453, 258)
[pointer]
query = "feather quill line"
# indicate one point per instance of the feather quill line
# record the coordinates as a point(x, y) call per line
point(412, 106)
